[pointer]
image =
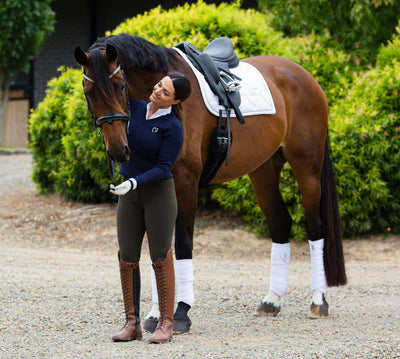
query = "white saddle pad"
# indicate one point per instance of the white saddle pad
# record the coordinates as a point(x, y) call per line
point(256, 98)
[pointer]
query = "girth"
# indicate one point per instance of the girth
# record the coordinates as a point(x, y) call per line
point(218, 151)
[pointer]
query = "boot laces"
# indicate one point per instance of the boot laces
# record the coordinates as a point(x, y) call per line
point(162, 290)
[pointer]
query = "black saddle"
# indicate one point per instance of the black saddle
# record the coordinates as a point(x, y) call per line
point(214, 63)
point(221, 51)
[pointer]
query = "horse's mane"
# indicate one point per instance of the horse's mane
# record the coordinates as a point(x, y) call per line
point(136, 52)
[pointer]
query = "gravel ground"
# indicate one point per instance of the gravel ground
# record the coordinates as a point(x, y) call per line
point(61, 298)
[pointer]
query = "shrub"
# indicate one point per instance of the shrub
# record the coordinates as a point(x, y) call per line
point(46, 128)
point(366, 142)
point(360, 26)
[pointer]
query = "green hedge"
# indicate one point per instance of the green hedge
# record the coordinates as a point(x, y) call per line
point(69, 156)
point(360, 26)
point(366, 144)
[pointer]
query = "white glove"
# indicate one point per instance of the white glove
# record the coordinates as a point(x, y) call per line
point(124, 187)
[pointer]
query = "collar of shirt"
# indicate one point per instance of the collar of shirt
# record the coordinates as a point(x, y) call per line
point(160, 112)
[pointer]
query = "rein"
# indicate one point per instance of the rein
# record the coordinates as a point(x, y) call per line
point(109, 117)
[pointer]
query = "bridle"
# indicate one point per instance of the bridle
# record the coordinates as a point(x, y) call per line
point(109, 117)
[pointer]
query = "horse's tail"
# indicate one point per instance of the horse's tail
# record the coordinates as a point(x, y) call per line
point(329, 208)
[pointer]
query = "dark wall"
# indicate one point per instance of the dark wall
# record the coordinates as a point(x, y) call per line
point(71, 30)
point(79, 23)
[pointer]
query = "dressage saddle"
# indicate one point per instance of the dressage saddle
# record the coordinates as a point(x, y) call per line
point(215, 63)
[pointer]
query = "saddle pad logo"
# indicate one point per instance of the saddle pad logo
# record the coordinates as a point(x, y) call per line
point(154, 129)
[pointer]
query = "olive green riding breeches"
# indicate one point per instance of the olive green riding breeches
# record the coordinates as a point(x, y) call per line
point(151, 208)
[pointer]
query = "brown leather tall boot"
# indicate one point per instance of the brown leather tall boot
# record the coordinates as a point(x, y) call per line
point(165, 278)
point(130, 282)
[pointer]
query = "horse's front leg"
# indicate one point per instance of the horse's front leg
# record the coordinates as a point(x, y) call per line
point(186, 187)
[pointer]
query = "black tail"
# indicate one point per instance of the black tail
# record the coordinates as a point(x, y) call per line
point(333, 250)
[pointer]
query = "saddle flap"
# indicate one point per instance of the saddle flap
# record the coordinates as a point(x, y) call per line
point(208, 65)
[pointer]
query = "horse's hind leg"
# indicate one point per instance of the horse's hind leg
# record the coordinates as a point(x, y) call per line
point(309, 181)
point(265, 181)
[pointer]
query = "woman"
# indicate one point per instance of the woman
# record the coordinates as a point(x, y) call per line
point(147, 202)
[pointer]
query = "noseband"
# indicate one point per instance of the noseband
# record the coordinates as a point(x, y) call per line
point(109, 117)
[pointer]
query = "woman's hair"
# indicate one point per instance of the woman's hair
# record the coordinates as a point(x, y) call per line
point(181, 85)
point(182, 91)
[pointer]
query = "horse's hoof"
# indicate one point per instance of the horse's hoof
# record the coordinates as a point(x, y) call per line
point(268, 309)
point(318, 311)
point(150, 325)
point(181, 326)
point(182, 322)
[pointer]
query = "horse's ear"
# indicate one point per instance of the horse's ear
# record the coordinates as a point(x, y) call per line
point(111, 53)
point(81, 57)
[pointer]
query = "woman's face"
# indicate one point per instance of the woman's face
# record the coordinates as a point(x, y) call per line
point(163, 95)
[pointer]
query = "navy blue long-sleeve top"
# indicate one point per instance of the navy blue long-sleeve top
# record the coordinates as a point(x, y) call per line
point(155, 144)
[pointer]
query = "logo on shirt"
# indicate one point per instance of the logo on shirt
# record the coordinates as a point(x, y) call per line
point(154, 129)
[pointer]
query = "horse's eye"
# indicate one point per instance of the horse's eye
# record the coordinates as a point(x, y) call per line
point(121, 87)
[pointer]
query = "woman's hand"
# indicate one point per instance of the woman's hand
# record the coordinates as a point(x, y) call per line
point(124, 187)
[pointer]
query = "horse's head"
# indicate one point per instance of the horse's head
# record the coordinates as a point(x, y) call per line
point(105, 88)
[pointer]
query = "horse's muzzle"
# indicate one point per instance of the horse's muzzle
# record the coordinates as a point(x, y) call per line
point(120, 156)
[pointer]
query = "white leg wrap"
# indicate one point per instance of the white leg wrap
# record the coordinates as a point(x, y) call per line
point(154, 312)
point(317, 297)
point(318, 279)
point(184, 280)
point(154, 293)
point(280, 260)
point(273, 298)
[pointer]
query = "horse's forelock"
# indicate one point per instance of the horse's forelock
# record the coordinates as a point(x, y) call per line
point(100, 73)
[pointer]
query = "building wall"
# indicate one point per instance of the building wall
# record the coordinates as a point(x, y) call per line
point(71, 30)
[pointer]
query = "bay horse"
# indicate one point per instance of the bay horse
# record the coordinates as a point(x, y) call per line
point(119, 67)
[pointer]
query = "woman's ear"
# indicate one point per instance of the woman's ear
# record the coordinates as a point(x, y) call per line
point(176, 102)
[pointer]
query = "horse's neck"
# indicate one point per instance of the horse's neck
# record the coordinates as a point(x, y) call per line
point(141, 83)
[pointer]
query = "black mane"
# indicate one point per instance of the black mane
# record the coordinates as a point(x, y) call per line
point(136, 52)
